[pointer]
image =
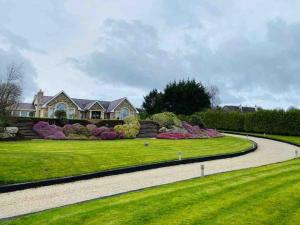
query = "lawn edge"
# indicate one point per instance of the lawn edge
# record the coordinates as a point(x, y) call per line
point(259, 136)
point(118, 171)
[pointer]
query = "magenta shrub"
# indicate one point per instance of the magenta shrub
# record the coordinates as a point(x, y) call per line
point(59, 135)
point(98, 131)
point(109, 135)
point(189, 131)
point(173, 136)
point(44, 129)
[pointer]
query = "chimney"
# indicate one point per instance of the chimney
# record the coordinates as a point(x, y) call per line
point(40, 96)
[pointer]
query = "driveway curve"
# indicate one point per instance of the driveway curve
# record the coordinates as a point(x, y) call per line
point(38, 199)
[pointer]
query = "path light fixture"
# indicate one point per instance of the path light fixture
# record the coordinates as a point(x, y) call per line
point(179, 155)
point(202, 170)
point(264, 134)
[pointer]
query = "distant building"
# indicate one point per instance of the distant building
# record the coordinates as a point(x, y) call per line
point(240, 108)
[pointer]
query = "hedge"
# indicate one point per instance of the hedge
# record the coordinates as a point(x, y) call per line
point(105, 122)
point(263, 121)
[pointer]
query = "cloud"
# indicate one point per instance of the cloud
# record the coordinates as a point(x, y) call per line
point(12, 56)
point(244, 69)
point(129, 53)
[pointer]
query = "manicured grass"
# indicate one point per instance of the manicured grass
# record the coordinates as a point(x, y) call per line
point(293, 139)
point(36, 160)
point(265, 195)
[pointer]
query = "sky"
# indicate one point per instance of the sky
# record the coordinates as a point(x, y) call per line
point(108, 49)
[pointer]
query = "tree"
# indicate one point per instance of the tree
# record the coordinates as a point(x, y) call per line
point(10, 89)
point(185, 97)
point(153, 102)
point(213, 92)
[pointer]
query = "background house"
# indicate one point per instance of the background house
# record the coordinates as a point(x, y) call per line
point(45, 106)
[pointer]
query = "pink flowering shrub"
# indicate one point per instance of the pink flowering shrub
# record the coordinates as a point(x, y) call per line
point(45, 130)
point(188, 131)
point(109, 135)
point(173, 136)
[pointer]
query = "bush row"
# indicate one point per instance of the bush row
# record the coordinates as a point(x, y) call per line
point(262, 121)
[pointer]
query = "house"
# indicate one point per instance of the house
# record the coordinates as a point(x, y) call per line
point(45, 106)
point(243, 109)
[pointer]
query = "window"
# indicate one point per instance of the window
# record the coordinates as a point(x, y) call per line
point(71, 113)
point(51, 113)
point(124, 112)
point(24, 114)
point(61, 106)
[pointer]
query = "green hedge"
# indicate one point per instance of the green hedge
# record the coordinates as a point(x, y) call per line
point(263, 121)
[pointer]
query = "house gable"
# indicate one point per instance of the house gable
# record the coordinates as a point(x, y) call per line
point(96, 106)
point(61, 97)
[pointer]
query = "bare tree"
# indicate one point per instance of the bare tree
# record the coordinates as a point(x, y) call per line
point(213, 92)
point(10, 88)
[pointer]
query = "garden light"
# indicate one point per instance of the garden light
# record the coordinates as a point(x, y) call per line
point(202, 170)
point(179, 155)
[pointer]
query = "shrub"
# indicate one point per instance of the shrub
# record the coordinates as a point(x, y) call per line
point(67, 129)
point(79, 129)
point(98, 131)
point(61, 115)
point(44, 129)
point(91, 128)
point(166, 119)
point(59, 135)
point(109, 135)
point(263, 121)
point(173, 136)
point(130, 129)
point(77, 137)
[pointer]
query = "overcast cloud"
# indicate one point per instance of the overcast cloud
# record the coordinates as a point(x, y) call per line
point(111, 49)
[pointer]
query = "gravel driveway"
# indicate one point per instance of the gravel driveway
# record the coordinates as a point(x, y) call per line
point(38, 199)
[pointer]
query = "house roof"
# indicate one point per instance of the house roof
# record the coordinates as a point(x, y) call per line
point(25, 106)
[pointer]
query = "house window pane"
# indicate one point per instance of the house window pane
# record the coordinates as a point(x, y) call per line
point(123, 113)
point(61, 106)
point(50, 113)
point(71, 113)
point(24, 114)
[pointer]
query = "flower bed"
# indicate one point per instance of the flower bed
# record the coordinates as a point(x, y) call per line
point(78, 131)
point(176, 129)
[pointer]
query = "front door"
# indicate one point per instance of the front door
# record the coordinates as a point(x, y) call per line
point(96, 115)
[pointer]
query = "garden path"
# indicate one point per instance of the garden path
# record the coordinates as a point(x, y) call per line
point(33, 200)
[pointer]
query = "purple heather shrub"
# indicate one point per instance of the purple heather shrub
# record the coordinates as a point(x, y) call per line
point(44, 129)
point(59, 135)
point(109, 135)
point(98, 131)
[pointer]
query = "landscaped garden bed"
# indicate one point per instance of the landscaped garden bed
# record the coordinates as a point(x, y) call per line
point(44, 159)
point(78, 131)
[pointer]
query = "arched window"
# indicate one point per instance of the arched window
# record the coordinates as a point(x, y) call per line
point(61, 106)
point(124, 112)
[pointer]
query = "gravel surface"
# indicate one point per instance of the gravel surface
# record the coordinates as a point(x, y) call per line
point(38, 199)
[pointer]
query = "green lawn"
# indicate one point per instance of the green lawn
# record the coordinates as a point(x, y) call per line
point(40, 159)
point(294, 139)
point(264, 195)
